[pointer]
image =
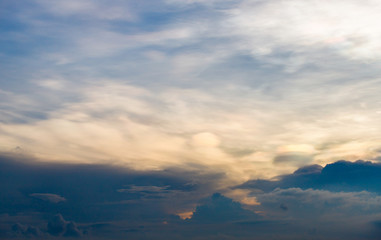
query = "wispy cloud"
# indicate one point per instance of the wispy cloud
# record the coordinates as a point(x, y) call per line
point(218, 85)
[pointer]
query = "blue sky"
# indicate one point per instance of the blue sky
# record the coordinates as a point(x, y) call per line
point(229, 91)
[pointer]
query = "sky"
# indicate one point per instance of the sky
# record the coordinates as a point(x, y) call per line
point(190, 119)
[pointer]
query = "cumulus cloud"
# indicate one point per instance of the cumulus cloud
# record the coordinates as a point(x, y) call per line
point(326, 200)
point(58, 226)
point(20, 230)
point(337, 176)
point(72, 230)
point(218, 209)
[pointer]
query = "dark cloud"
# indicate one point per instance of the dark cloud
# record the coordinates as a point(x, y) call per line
point(57, 225)
point(338, 201)
point(338, 176)
point(311, 169)
point(96, 195)
point(72, 230)
point(98, 192)
point(219, 208)
point(41, 200)
point(328, 215)
point(283, 207)
point(20, 230)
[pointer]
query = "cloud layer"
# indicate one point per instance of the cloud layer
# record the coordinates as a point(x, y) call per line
point(143, 110)
point(254, 89)
point(340, 200)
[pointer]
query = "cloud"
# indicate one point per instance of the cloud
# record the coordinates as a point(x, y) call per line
point(327, 199)
point(130, 203)
point(205, 139)
point(236, 91)
point(101, 192)
point(291, 87)
point(327, 215)
point(72, 230)
point(99, 9)
point(58, 226)
point(307, 24)
point(218, 209)
point(19, 230)
point(298, 159)
point(54, 198)
point(146, 189)
point(337, 176)
point(311, 204)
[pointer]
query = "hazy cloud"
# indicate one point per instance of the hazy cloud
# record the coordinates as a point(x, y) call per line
point(297, 159)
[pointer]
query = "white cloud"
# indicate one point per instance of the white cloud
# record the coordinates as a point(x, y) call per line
point(117, 10)
point(347, 27)
point(263, 77)
point(205, 139)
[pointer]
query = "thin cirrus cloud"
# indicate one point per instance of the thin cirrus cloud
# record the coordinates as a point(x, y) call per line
point(216, 86)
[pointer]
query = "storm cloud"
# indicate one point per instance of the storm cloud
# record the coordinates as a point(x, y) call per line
point(313, 201)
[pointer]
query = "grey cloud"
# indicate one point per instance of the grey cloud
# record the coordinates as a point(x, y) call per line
point(321, 214)
point(147, 189)
point(314, 204)
point(20, 230)
point(338, 176)
point(72, 230)
point(50, 197)
point(97, 193)
point(143, 208)
point(219, 208)
point(295, 158)
point(310, 169)
point(238, 152)
point(340, 200)
point(58, 226)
